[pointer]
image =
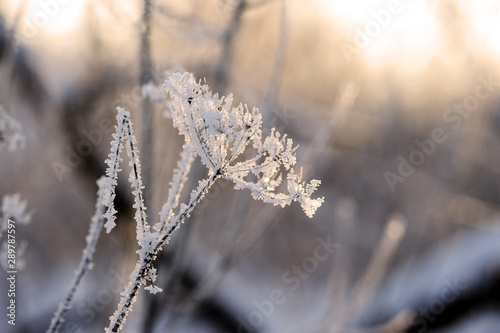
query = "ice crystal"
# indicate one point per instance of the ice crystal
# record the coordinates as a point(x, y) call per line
point(219, 133)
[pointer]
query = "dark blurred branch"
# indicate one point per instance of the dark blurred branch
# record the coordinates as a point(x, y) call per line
point(203, 291)
point(23, 75)
point(147, 116)
point(225, 59)
point(4, 40)
point(375, 271)
point(279, 63)
point(85, 262)
point(75, 110)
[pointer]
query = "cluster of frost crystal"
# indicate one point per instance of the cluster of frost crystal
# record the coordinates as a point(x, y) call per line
point(230, 143)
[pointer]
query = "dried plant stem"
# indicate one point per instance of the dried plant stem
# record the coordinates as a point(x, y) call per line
point(139, 201)
point(224, 63)
point(343, 105)
point(185, 311)
point(218, 134)
point(146, 258)
point(375, 272)
point(279, 62)
point(85, 263)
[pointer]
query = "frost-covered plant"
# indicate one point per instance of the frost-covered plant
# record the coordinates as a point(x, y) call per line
point(219, 133)
point(10, 132)
point(230, 144)
point(13, 208)
point(96, 223)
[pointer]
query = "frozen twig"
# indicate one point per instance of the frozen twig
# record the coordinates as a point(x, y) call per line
point(86, 261)
point(218, 134)
point(146, 257)
point(124, 135)
point(179, 180)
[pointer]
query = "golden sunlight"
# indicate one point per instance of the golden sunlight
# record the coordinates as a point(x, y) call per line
point(408, 31)
point(53, 17)
point(484, 19)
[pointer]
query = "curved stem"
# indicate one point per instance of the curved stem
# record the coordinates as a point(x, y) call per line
point(146, 258)
point(88, 253)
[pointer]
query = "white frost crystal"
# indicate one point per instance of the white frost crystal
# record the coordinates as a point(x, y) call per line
point(219, 133)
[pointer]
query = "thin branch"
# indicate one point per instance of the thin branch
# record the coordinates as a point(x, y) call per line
point(146, 258)
point(184, 311)
point(349, 91)
point(279, 62)
point(137, 182)
point(386, 248)
point(86, 261)
point(179, 180)
point(222, 67)
point(147, 114)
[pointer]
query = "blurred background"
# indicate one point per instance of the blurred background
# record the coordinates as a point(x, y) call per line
point(395, 106)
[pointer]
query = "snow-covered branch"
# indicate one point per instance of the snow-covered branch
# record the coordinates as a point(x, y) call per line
point(124, 135)
point(177, 184)
point(219, 133)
